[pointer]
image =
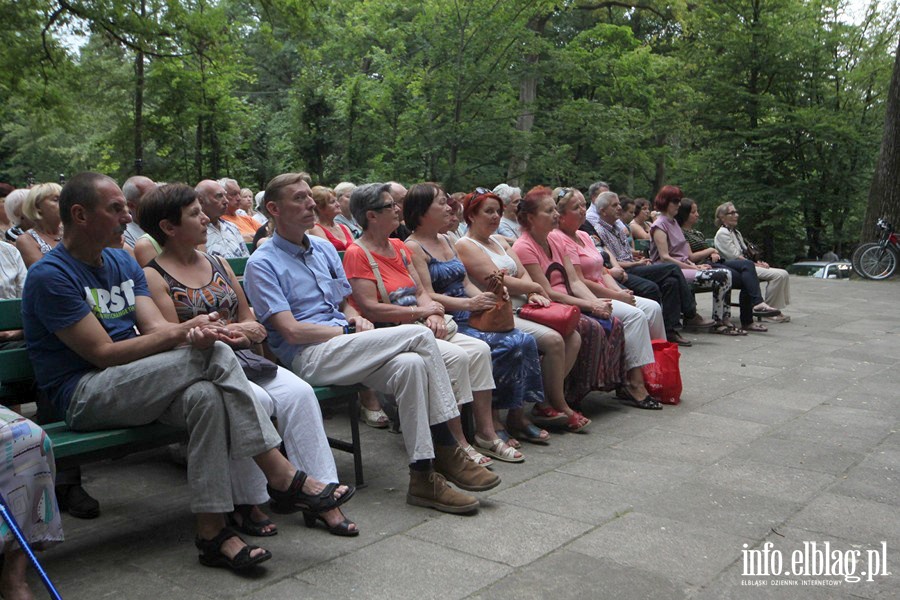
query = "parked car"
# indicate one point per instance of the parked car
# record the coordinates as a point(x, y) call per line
point(822, 269)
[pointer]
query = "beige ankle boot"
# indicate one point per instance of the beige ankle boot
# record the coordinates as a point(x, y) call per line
point(430, 489)
point(451, 462)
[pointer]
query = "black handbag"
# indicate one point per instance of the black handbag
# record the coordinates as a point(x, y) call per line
point(255, 367)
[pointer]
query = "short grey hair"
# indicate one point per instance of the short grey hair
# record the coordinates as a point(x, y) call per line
point(365, 198)
point(721, 210)
point(343, 187)
point(506, 192)
point(134, 188)
point(226, 180)
point(597, 188)
point(15, 200)
point(603, 200)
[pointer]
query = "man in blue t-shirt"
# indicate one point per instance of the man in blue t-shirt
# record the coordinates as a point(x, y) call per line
point(83, 306)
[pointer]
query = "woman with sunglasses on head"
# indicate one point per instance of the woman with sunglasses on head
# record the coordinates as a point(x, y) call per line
point(641, 318)
point(483, 251)
point(514, 354)
point(599, 364)
point(731, 245)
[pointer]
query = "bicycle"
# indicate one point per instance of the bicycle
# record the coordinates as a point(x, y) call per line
point(878, 260)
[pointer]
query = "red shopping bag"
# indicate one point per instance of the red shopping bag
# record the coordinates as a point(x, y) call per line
point(663, 378)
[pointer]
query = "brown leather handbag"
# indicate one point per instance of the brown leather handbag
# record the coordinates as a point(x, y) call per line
point(498, 318)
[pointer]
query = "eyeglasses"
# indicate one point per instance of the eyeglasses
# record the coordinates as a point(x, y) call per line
point(390, 205)
point(731, 212)
point(480, 191)
point(563, 193)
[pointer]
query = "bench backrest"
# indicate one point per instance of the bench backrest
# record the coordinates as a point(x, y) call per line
point(238, 265)
point(14, 363)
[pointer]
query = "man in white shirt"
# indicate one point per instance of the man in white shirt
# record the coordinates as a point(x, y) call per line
point(222, 238)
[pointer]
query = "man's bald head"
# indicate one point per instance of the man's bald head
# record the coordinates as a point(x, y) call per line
point(398, 192)
point(213, 199)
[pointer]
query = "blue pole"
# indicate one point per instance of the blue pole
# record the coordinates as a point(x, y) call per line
point(7, 516)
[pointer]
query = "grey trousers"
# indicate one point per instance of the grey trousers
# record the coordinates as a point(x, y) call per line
point(404, 361)
point(203, 391)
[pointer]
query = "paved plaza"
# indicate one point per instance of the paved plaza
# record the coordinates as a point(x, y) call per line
point(789, 438)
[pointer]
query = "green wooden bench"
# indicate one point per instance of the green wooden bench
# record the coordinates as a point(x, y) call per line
point(79, 447)
point(642, 246)
point(238, 265)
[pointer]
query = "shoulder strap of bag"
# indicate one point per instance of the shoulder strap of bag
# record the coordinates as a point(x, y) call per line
point(382, 291)
point(555, 266)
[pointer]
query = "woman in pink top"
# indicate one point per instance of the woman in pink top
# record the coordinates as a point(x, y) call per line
point(599, 364)
point(668, 245)
point(639, 316)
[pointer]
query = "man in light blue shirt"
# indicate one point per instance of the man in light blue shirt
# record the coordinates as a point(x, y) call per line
point(298, 289)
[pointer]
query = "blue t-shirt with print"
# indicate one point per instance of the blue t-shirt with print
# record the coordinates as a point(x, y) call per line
point(59, 291)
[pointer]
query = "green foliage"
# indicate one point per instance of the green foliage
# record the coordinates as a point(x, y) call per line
point(775, 105)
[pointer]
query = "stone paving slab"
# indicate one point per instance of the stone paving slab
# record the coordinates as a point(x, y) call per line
point(786, 437)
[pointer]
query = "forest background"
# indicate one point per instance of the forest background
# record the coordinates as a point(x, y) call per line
point(775, 105)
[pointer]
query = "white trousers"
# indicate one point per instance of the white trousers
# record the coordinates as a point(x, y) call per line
point(299, 419)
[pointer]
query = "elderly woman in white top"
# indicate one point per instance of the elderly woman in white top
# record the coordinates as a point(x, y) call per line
point(731, 245)
point(509, 225)
point(13, 208)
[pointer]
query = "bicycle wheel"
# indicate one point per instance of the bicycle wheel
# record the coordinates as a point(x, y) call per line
point(854, 259)
point(877, 263)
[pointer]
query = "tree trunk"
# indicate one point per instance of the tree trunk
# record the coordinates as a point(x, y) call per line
point(518, 161)
point(139, 105)
point(884, 193)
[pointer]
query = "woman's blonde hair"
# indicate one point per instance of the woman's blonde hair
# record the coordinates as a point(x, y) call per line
point(37, 194)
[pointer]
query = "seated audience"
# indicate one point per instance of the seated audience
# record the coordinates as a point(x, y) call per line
point(514, 354)
point(327, 209)
point(730, 244)
point(670, 246)
point(185, 283)
point(297, 287)
point(395, 295)
point(26, 484)
point(662, 283)
point(98, 372)
point(641, 318)
point(259, 216)
point(743, 271)
point(247, 226)
point(42, 208)
point(343, 190)
point(482, 253)
point(640, 222)
point(510, 196)
point(19, 223)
